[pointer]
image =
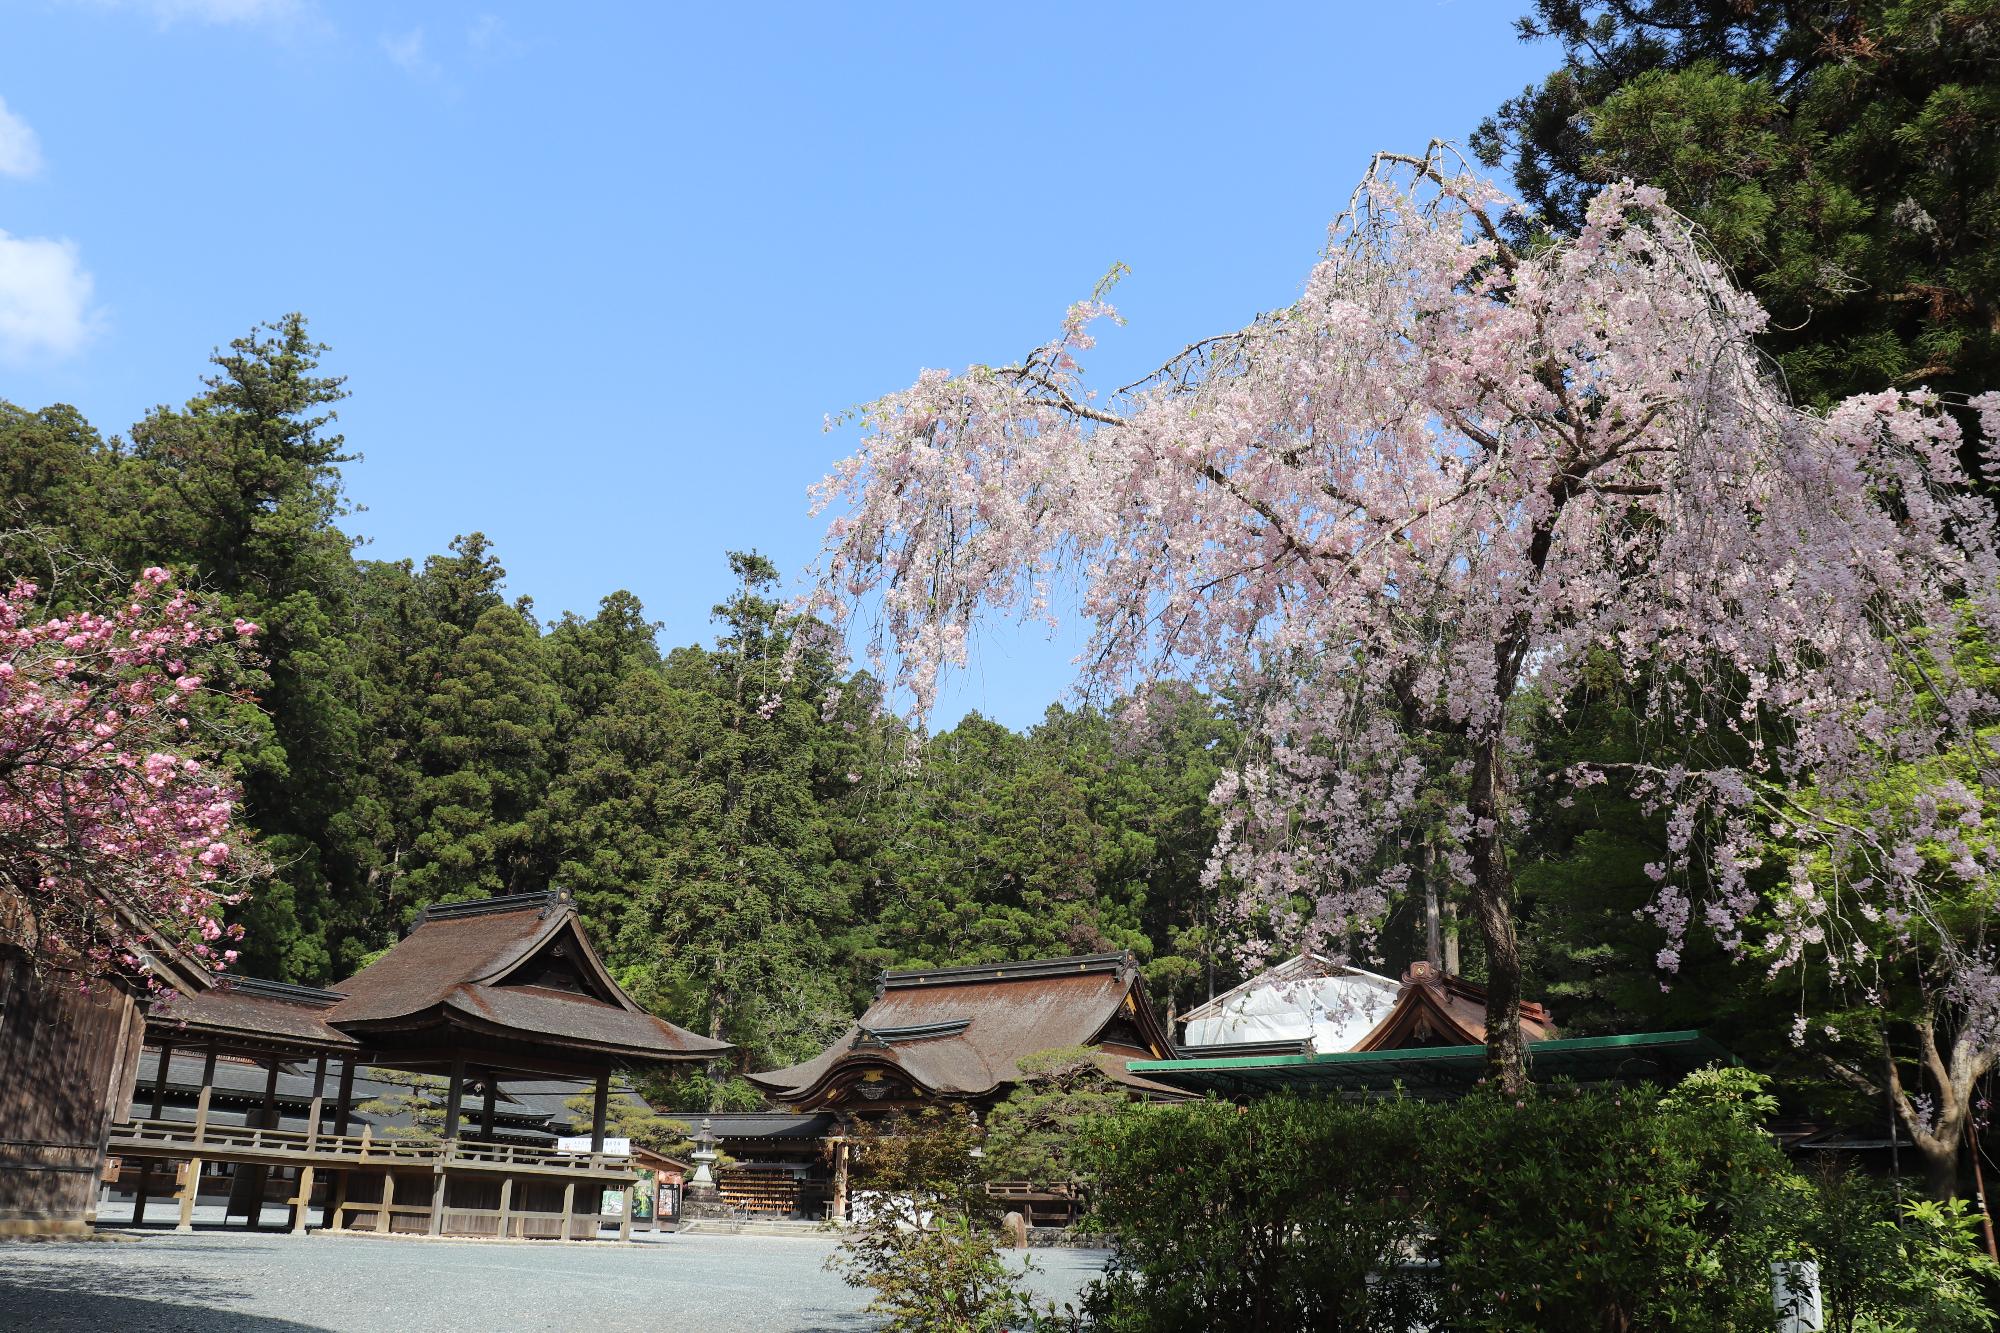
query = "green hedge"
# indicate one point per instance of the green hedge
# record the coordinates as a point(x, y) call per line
point(1563, 1210)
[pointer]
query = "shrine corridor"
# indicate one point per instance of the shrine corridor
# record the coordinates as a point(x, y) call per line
point(236, 1283)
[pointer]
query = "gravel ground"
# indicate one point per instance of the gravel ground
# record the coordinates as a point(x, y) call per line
point(268, 1284)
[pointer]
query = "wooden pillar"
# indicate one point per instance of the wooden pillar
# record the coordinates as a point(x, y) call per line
point(486, 1110)
point(336, 1204)
point(260, 1176)
point(506, 1204)
point(191, 1184)
point(160, 1080)
point(839, 1180)
point(569, 1206)
point(388, 1197)
point(625, 1216)
point(344, 1100)
point(207, 1090)
point(437, 1203)
point(454, 1098)
point(166, 1054)
point(318, 1102)
point(302, 1200)
point(597, 1110)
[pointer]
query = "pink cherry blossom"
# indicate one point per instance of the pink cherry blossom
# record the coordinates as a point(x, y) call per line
point(1451, 470)
point(109, 829)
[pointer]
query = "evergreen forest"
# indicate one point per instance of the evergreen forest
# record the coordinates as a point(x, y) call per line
point(752, 837)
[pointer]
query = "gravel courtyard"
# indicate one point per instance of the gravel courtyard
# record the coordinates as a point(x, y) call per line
point(270, 1284)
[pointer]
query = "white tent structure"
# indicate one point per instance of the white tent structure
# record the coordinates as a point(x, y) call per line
point(1308, 999)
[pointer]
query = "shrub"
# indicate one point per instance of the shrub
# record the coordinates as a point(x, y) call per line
point(925, 1243)
point(1286, 1214)
point(1884, 1269)
point(1563, 1210)
point(1606, 1210)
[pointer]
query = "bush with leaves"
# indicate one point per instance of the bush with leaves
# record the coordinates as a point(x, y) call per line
point(924, 1240)
point(1608, 1209)
point(1885, 1268)
point(1287, 1214)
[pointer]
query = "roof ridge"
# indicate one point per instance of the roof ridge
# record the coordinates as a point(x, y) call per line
point(1035, 967)
point(545, 900)
point(265, 989)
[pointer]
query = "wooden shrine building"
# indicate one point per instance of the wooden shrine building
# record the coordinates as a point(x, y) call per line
point(474, 993)
point(959, 1034)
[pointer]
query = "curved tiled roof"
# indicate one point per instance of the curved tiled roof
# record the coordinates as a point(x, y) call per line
point(518, 968)
point(961, 1031)
point(1438, 1008)
point(248, 1006)
point(471, 965)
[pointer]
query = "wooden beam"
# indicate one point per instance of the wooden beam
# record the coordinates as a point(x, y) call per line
point(388, 1199)
point(597, 1110)
point(569, 1207)
point(506, 1204)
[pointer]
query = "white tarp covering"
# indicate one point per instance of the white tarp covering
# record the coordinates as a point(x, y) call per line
point(1303, 998)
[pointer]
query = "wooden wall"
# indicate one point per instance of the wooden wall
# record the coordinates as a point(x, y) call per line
point(68, 1060)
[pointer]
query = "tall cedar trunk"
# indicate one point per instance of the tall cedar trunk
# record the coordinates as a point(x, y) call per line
point(1493, 902)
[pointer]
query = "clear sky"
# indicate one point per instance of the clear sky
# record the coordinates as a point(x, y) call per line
point(597, 272)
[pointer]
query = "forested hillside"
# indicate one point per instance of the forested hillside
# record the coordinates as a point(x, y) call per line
point(750, 847)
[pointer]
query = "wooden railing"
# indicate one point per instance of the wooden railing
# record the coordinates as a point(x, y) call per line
point(1040, 1205)
point(180, 1138)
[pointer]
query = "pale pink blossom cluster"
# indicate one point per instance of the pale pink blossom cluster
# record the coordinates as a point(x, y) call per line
point(113, 836)
point(1450, 470)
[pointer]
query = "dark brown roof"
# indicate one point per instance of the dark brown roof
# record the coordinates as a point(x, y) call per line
point(516, 968)
point(1438, 1009)
point(482, 966)
point(961, 1031)
point(250, 1009)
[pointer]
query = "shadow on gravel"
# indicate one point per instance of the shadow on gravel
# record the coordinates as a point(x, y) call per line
point(56, 1307)
point(92, 1296)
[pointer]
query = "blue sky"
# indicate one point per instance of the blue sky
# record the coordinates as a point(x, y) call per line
point(596, 273)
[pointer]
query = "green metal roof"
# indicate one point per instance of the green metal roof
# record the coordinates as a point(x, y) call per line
point(1657, 1057)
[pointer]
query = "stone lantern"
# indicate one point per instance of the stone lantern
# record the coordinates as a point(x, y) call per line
point(703, 1197)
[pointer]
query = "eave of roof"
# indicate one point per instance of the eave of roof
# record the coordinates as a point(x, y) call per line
point(1629, 1058)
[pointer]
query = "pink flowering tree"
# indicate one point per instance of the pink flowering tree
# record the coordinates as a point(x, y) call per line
point(1448, 470)
point(114, 835)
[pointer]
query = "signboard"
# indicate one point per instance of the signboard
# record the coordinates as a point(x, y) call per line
point(581, 1143)
point(644, 1194)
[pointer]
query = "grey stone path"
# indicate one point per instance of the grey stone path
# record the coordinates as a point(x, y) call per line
point(239, 1283)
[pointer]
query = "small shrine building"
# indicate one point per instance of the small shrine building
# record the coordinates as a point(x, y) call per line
point(474, 993)
point(955, 1034)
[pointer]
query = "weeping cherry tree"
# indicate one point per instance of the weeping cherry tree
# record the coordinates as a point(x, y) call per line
point(1449, 469)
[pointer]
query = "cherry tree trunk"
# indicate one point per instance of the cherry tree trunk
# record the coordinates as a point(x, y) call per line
point(1940, 1166)
point(1493, 904)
